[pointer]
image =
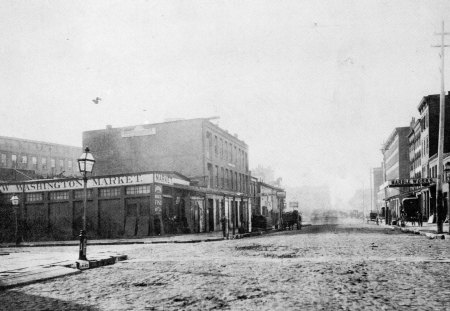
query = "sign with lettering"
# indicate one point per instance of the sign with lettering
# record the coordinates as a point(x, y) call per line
point(163, 179)
point(138, 131)
point(73, 184)
point(411, 182)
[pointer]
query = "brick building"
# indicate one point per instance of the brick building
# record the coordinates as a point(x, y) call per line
point(196, 148)
point(209, 156)
point(23, 159)
point(396, 166)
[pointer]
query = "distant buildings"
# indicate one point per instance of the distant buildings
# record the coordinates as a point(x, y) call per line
point(23, 159)
point(410, 160)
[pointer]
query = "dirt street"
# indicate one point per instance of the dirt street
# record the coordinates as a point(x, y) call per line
point(322, 267)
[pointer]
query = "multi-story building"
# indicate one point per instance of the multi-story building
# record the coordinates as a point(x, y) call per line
point(196, 148)
point(426, 164)
point(396, 165)
point(415, 149)
point(23, 159)
point(376, 182)
point(209, 156)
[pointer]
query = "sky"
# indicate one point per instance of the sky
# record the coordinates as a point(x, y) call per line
point(313, 87)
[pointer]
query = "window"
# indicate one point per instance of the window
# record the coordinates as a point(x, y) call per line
point(216, 147)
point(61, 164)
point(226, 151)
point(69, 164)
point(34, 197)
point(34, 161)
point(137, 189)
point(217, 176)
point(44, 163)
point(109, 192)
point(14, 159)
point(53, 163)
point(24, 159)
point(221, 148)
point(208, 144)
point(223, 177)
point(3, 159)
point(79, 194)
point(59, 195)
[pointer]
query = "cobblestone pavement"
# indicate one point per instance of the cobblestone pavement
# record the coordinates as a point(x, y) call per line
point(328, 267)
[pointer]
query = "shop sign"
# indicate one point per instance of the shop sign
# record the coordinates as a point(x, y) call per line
point(163, 179)
point(411, 182)
point(281, 194)
point(158, 189)
point(73, 184)
point(138, 131)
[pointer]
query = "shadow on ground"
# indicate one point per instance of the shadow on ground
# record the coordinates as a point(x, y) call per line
point(16, 300)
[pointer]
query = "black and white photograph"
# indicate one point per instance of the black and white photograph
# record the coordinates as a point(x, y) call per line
point(224, 155)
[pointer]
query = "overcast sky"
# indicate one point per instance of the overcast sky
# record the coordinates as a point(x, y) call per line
point(313, 87)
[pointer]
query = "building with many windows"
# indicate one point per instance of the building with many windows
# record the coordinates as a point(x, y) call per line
point(23, 159)
point(396, 166)
point(196, 148)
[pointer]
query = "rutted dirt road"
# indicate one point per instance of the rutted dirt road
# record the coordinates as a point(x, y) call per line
point(326, 267)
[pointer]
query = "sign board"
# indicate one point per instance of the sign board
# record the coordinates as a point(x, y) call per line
point(410, 182)
point(281, 194)
point(293, 205)
point(93, 182)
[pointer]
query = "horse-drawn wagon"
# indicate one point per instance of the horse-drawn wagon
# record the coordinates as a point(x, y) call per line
point(290, 219)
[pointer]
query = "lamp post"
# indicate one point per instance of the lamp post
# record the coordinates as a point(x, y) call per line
point(15, 204)
point(447, 179)
point(86, 165)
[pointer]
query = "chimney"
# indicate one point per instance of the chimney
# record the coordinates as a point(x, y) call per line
point(109, 126)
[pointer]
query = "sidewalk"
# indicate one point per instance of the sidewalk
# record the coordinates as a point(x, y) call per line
point(32, 262)
point(428, 229)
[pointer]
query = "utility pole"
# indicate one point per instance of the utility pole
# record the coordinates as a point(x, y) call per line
point(371, 189)
point(364, 207)
point(439, 197)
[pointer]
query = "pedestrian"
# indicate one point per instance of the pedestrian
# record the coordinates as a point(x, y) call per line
point(223, 221)
point(419, 218)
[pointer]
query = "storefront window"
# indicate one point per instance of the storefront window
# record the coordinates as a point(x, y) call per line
point(109, 192)
point(137, 190)
point(60, 195)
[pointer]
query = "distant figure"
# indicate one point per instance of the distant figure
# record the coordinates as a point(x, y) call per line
point(419, 218)
point(223, 222)
point(96, 100)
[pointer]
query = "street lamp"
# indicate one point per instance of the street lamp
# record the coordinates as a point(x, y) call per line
point(86, 165)
point(15, 204)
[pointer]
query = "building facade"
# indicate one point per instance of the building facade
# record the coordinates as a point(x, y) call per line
point(22, 159)
point(196, 148)
point(396, 166)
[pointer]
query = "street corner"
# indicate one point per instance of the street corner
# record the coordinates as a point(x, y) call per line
point(97, 262)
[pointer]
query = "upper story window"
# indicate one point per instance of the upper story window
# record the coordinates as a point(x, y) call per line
point(14, 159)
point(208, 144)
point(34, 161)
point(44, 163)
point(69, 164)
point(24, 159)
point(61, 164)
point(216, 147)
point(53, 163)
point(3, 159)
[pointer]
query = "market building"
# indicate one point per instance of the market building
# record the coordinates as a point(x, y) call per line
point(123, 205)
